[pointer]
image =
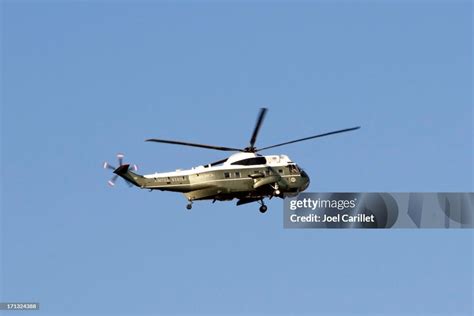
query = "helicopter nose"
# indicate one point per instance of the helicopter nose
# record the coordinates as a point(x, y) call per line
point(305, 179)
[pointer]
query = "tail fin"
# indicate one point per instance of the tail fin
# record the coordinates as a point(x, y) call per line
point(129, 176)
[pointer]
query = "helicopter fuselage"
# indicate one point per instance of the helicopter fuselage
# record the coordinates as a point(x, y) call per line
point(245, 176)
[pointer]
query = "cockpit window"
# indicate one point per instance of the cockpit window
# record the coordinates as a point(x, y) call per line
point(251, 161)
point(294, 169)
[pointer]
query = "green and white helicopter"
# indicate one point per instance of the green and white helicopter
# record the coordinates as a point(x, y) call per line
point(245, 175)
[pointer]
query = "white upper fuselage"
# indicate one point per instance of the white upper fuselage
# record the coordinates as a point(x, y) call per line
point(271, 161)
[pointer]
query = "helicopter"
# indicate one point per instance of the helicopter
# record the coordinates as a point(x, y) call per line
point(245, 175)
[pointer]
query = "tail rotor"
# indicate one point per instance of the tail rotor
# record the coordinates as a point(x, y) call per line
point(112, 180)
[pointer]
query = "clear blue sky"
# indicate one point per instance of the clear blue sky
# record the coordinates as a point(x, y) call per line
point(83, 81)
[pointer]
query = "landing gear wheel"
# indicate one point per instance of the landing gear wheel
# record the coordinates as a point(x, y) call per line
point(263, 209)
point(189, 206)
point(276, 189)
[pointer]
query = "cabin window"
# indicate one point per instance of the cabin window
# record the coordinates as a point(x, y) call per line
point(251, 161)
point(280, 170)
point(226, 175)
point(237, 174)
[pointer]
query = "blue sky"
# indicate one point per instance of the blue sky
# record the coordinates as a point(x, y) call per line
point(82, 81)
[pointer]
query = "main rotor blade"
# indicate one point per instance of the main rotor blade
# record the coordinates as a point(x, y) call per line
point(311, 137)
point(192, 144)
point(261, 116)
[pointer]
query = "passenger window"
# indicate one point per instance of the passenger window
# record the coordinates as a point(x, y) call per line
point(237, 174)
point(280, 170)
point(226, 175)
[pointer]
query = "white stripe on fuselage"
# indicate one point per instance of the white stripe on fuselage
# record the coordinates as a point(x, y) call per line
point(164, 186)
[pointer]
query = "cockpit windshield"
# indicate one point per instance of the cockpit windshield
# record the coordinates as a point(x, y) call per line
point(294, 169)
